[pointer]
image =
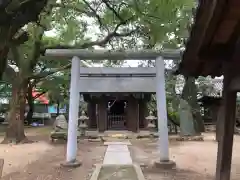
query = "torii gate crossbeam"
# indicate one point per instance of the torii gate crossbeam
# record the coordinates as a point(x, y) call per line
point(84, 54)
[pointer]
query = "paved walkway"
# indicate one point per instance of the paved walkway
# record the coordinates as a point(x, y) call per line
point(117, 153)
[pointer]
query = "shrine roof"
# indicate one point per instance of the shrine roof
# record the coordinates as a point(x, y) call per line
point(117, 85)
point(117, 80)
point(213, 38)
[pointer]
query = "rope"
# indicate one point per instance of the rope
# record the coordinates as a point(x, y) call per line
point(112, 104)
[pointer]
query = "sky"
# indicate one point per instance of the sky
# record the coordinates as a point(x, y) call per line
point(131, 63)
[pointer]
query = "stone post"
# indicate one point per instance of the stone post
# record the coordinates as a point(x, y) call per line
point(162, 115)
point(83, 124)
point(73, 115)
point(151, 121)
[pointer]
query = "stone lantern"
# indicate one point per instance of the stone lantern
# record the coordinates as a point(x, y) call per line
point(83, 123)
point(151, 121)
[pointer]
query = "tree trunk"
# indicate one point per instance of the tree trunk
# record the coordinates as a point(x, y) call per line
point(30, 101)
point(190, 95)
point(219, 121)
point(6, 36)
point(3, 60)
point(15, 131)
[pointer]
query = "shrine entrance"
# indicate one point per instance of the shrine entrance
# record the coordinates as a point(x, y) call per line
point(116, 116)
point(132, 83)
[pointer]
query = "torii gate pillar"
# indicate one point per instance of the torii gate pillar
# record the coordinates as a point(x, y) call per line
point(71, 154)
point(162, 116)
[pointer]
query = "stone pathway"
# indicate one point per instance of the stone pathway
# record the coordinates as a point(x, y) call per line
point(117, 153)
point(117, 164)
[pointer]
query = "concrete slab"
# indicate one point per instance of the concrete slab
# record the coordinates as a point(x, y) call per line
point(117, 164)
point(113, 175)
point(115, 158)
point(118, 143)
point(118, 148)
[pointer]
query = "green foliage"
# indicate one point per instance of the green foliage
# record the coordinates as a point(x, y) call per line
point(111, 24)
point(174, 116)
point(5, 90)
point(57, 88)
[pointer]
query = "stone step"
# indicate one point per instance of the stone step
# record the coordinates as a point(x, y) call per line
point(113, 148)
point(117, 143)
point(117, 158)
point(117, 154)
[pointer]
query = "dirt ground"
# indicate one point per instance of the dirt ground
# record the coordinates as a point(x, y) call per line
point(41, 160)
point(195, 160)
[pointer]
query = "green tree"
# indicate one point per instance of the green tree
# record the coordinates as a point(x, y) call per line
point(13, 16)
point(172, 35)
point(30, 68)
point(118, 25)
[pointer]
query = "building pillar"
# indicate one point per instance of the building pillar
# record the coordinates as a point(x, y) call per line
point(73, 114)
point(162, 114)
point(142, 113)
point(226, 131)
point(102, 114)
point(219, 120)
point(132, 115)
point(92, 114)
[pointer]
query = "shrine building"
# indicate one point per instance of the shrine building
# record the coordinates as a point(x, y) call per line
point(117, 97)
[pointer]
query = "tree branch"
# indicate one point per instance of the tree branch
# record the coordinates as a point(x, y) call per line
point(141, 12)
point(21, 38)
point(39, 31)
point(101, 42)
point(99, 19)
point(42, 75)
point(15, 55)
point(9, 74)
point(107, 3)
point(105, 40)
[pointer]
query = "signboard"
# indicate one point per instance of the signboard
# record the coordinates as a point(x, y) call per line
point(53, 109)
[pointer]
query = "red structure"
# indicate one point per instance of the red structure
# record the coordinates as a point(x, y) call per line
point(42, 98)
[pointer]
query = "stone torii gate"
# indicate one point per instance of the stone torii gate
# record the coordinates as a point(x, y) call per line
point(80, 54)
